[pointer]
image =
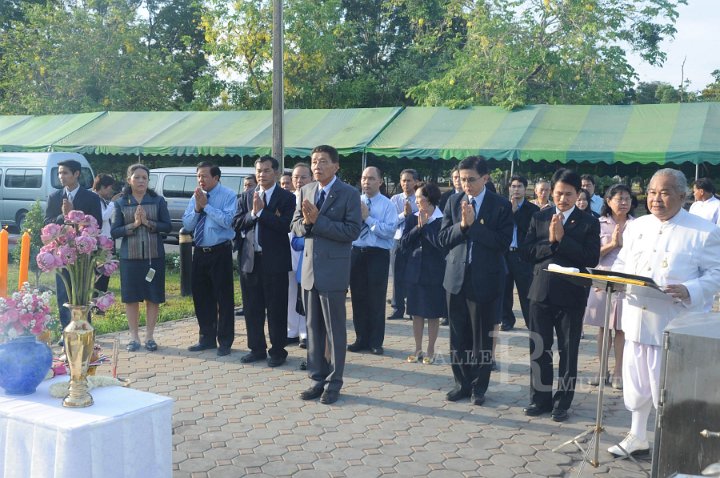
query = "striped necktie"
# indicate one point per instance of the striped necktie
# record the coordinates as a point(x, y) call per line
point(365, 228)
point(321, 201)
point(199, 232)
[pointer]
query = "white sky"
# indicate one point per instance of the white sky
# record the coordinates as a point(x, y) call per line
point(697, 39)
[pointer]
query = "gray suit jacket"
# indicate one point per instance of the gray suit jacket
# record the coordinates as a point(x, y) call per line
point(328, 242)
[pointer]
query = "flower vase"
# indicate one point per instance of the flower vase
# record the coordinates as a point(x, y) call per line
point(24, 363)
point(79, 337)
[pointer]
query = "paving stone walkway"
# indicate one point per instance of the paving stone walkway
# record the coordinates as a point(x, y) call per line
point(233, 420)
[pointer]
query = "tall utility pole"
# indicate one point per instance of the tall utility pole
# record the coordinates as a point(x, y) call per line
point(278, 97)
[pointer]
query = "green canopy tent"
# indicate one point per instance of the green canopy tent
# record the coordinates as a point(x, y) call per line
point(9, 122)
point(39, 133)
point(227, 133)
point(659, 134)
point(443, 133)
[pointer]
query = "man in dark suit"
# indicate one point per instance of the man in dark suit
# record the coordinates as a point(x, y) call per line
point(565, 236)
point(476, 230)
point(72, 197)
point(263, 217)
point(456, 188)
point(328, 216)
point(519, 271)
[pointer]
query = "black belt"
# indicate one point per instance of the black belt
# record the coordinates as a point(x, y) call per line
point(213, 248)
point(513, 249)
point(370, 249)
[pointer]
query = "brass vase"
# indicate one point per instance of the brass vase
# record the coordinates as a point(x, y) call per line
point(79, 337)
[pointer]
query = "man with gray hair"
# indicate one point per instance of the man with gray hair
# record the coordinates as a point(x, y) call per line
point(681, 253)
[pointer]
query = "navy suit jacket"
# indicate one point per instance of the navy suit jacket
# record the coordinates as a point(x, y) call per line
point(522, 218)
point(426, 257)
point(274, 224)
point(579, 247)
point(85, 201)
point(491, 235)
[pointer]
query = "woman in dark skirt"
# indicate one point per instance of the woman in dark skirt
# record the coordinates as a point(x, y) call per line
point(425, 270)
point(141, 216)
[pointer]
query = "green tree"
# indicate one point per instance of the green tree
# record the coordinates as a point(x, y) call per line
point(544, 51)
point(712, 91)
point(77, 58)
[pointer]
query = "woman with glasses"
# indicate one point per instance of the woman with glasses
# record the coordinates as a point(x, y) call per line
point(424, 271)
point(616, 212)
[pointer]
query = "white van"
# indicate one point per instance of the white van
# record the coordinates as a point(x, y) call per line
point(29, 177)
point(177, 186)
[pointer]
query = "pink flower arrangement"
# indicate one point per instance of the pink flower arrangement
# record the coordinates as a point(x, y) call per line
point(78, 248)
point(25, 312)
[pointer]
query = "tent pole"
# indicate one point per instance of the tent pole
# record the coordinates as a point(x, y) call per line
point(697, 171)
point(364, 160)
point(512, 167)
point(278, 97)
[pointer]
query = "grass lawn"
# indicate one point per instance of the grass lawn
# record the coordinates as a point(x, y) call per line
point(176, 307)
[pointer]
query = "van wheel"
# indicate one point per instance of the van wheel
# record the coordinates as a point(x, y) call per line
point(20, 221)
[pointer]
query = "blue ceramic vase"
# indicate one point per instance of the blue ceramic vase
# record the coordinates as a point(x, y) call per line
point(24, 363)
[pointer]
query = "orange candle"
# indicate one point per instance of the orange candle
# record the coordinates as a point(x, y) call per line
point(24, 260)
point(3, 262)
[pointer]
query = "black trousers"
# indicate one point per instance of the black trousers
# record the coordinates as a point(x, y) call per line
point(399, 261)
point(368, 288)
point(566, 322)
point(520, 273)
point(213, 294)
point(265, 292)
point(471, 326)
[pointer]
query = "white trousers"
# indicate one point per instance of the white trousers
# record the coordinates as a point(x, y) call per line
point(641, 383)
point(296, 322)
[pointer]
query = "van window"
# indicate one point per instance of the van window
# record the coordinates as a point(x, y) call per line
point(23, 178)
point(235, 183)
point(152, 181)
point(86, 178)
point(175, 186)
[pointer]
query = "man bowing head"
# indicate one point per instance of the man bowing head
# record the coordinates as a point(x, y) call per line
point(477, 228)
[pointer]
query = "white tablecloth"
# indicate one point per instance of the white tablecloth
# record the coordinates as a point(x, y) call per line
point(126, 433)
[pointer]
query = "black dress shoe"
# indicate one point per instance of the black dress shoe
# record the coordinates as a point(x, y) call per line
point(534, 410)
point(252, 357)
point(303, 343)
point(311, 393)
point(506, 328)
point(303, 365)
point(239, 311)
point(559, 415)
point(329, 396)
point(275, 361)
point(377, 351)
point(457, 394)
point(293, 340)
point(396, 316)
point(199, 347)
point(477, 398)
point(444, 321)
point(223, 351)
point(356, 347)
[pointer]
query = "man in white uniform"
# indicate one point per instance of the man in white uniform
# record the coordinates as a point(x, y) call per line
point(681, 253)
point(706, 204)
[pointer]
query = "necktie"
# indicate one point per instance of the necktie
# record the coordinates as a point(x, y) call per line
point(199, 232)
point(321, 201)
point(365, 228)
point(257, 224)
point(469, 246)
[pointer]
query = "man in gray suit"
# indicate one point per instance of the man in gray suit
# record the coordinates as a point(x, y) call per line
point(328, 216)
